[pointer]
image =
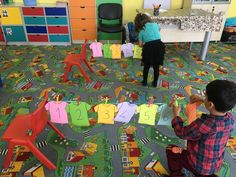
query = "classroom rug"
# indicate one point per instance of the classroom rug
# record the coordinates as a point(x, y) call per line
point(127, 148)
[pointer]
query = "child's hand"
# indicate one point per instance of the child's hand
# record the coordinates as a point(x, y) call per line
point(176, 110)
point(195, 98)
point(176, 150)
point(140, 43)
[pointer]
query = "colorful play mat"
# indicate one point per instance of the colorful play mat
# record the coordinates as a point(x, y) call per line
point(100, 142)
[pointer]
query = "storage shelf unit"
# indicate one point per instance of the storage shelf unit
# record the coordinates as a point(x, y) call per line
point(83, 20)
point(57, 24)
point(36, 25)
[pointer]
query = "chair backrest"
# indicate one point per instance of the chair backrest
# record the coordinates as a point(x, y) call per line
point(39, 117)
point(83, 51)
point(110, 11)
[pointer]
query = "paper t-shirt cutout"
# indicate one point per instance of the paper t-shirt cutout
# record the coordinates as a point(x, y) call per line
point(96, 48)
point(126, 112)
point(187, 89)
point(137, 52)
point(106, 113)
point(127, 49)
point(107, 51)
point(78, 113)
point(166, 115)
point(116, 51)
point(191, 111)
point(147, 114)
point(57, 111)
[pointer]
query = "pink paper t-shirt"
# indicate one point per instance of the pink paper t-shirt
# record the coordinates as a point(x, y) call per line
point(96, 48)
point(57, 111)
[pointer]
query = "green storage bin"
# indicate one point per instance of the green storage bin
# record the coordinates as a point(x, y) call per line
point(14, 33)
point(35, 20)
point(59, 38)
point(57, 21)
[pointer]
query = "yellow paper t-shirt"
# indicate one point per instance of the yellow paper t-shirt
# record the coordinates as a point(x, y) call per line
point(116, 51)
point(106, 113)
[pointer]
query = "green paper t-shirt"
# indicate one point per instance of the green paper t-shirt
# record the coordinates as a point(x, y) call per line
point(78, 113)
point(137, 52)
point(107, 51)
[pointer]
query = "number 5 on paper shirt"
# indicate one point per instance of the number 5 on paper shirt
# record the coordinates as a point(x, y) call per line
point(147, 114)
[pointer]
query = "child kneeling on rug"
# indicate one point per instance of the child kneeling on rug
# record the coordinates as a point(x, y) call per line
point(206, 136)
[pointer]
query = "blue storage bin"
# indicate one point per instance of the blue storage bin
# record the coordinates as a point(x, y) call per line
point(30, 2)
point(55, 11)
point(36, 29)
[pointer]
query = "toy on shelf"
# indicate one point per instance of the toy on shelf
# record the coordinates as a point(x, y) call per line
point(156, 9)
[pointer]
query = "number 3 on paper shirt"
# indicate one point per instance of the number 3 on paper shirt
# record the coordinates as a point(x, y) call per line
point(106, 113)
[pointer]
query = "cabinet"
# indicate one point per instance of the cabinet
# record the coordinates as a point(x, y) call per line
point(83, 20)
point(35, 25)
point(12, 24)
point(57, 24)
point(47, 24)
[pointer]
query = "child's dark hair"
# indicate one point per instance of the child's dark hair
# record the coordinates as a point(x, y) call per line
point(140, 20)
point(222, 93)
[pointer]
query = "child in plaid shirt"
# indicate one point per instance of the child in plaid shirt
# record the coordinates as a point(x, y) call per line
point(206, 136)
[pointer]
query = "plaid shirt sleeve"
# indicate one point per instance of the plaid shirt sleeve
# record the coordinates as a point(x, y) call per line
point(193, 131)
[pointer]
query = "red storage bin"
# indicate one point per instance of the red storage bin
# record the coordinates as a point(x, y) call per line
point(36, 11)
point(38, 38)
point(58, 30)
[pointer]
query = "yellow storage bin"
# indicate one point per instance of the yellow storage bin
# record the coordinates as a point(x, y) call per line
point(11, 16)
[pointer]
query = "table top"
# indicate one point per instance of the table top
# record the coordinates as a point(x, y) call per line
point(188, 19)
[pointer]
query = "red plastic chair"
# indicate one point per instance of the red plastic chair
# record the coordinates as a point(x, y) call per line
point(77, 60)
point(23, 131)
